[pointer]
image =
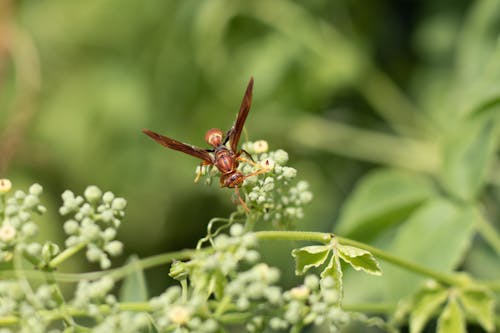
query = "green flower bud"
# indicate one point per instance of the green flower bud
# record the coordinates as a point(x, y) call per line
point(49, 251)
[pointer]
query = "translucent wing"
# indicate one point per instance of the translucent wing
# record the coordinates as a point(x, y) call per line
point(235, 132)
point(177, 145)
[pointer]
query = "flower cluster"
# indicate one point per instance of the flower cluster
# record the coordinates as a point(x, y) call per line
point(17, 227)
point(272, 192)
point(90, 294)
point(315, 302)
point(18, 299)
point(94, 223)
point(208, 270)
point(172, 312)
point(123, 322)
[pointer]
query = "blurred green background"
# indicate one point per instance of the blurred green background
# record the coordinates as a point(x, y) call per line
point(344, 86)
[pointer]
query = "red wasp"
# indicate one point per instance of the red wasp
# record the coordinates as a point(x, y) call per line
point(225, 159)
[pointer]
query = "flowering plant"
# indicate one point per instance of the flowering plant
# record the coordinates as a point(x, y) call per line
point(223, 282)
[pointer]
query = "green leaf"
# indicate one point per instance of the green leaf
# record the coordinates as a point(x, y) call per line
point(134, 287)
point(359, 259)
point(478, 58)
point(468, 154)
point(425, 305)
point(310, 256)
point(334, 270)
point(436, 236)
point(382, 199)
point(479, 303)
point(451, 319)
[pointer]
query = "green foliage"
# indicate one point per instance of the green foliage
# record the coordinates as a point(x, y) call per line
point(416, 98)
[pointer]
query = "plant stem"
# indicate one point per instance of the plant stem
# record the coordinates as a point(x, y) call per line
point(66, 254)
point(370, 307)
point(442, 277)
point(56, 314)
point(321, 237)
point(326, 237)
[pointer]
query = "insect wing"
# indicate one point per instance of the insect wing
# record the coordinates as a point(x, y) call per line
point(235, 132)
point(179, 146)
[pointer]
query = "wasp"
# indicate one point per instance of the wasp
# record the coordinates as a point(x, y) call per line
point(225, 157)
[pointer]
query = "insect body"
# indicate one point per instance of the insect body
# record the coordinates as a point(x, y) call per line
point(225, 159)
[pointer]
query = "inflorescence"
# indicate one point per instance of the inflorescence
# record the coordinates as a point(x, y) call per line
point(275, 195)
point(223, 284)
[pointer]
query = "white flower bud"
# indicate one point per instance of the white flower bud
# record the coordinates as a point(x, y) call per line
point(260, 146)
point(71, 227)
point(119, 204)
point(236, 230)
point(92, 193)
point(36, 189)
point(281, 156)
point(114, 248)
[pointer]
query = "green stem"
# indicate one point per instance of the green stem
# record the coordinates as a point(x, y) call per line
point(66, 254)
point(222, 307)
point(56, 314)
point(370, 307)
point(295, 236)
point(326, 237)
point(424, 271)
point(117, 273)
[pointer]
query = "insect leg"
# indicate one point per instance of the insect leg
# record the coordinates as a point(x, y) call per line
point(199, 173)
point(243, 204)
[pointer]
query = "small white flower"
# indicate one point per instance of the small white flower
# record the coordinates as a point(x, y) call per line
point(179, 315)
point(300, 292)
point(5, 186)
point(7, 232)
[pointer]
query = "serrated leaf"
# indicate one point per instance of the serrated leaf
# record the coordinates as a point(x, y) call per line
point(452, 318)
point(134, 287)
point(468, 153)
point(334, 270)
point(425, 305)
point(480, 304)
point(436, 236)
point(309, 256)
point(373, 206)
point(359, 259)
